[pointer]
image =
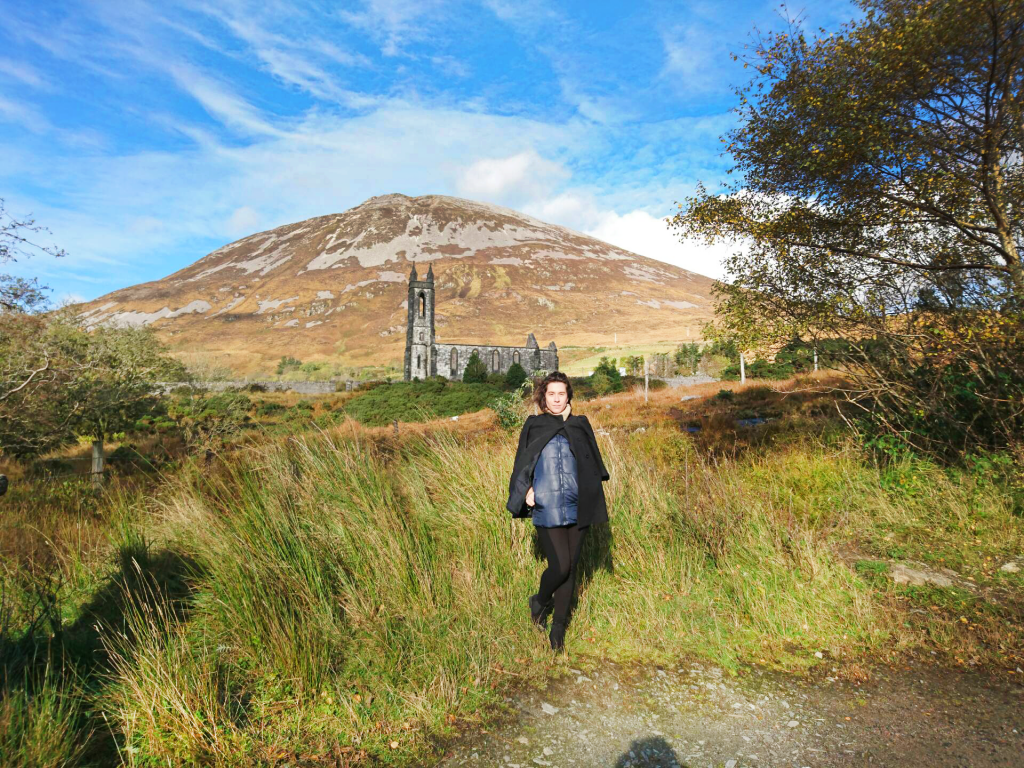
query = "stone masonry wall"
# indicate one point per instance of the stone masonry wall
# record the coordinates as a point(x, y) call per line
point(532, 359)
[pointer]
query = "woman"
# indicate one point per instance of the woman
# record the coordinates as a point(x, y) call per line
point(556, 480)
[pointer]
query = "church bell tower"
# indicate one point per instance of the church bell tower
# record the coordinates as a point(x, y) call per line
point(419, 332)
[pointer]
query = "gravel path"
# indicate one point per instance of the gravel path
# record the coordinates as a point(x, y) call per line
point(696, 716)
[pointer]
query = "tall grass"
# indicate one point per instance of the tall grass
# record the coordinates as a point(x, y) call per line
point(41, 721)
point(354, 598)
point(393, 584)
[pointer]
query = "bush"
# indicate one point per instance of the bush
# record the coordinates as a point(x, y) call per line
point(509, 408)
point(287, 363)
point(601, 383)
point(476, 371)
point(606, 377)
point(269, 408)
point(418, 401)
point(515, 376)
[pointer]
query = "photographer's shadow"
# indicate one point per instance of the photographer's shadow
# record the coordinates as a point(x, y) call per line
point(651, 752)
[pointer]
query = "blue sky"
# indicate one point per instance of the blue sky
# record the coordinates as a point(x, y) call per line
point(146, 134)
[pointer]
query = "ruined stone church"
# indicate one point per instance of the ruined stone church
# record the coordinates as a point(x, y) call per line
point(425, 357)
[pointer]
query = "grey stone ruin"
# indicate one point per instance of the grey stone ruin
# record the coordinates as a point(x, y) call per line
point(424, 356)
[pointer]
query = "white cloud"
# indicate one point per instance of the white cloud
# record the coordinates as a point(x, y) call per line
point(243, 221)
point(511, 180)
point(642, 233)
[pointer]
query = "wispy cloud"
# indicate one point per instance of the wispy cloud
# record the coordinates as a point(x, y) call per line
point(24, 73)
point(146, 134)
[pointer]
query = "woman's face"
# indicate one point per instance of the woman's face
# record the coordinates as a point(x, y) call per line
point(555, 397)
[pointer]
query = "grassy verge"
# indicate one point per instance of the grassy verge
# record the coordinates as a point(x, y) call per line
point(350, 595)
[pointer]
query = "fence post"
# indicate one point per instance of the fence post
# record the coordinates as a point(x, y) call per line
point(743, 370)
point(815, 358)
point(97, 463)
point(646, 372)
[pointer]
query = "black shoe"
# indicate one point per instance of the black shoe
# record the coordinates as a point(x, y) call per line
point(536, 611)
point(557, 637)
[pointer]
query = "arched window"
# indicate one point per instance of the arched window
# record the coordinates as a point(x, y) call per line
point(495, 361)
point(421, 335)
point(455, 361)
point(423, 304)
point(515, 356)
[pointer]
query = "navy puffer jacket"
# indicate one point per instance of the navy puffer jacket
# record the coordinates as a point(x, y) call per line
point(555, 488)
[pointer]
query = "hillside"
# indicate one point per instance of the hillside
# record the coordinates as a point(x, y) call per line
point(334, 287)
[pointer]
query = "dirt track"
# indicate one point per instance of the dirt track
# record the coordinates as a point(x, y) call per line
point(697, 716)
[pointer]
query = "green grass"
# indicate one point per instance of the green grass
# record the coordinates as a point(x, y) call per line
point(326, 595)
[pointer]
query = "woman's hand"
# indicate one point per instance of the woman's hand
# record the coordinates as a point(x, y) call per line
point(529, 497)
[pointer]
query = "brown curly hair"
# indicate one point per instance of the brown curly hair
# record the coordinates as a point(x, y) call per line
point(540, 388)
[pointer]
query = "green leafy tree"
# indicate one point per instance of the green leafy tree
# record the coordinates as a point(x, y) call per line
point(515, 376)
point(116, 383)
point(877, 200)
point(59, 380)
point(476, 371)
point(687, 358)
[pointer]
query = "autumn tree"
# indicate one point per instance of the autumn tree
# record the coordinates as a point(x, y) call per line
point(877, 196)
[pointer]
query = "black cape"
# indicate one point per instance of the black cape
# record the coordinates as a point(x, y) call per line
point(537, 432)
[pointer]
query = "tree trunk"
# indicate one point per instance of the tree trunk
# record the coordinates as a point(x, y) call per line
point(97, 462)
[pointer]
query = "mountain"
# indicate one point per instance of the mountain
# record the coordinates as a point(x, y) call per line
point(335, 287)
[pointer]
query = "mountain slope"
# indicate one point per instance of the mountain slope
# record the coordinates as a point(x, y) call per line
point(335, 287)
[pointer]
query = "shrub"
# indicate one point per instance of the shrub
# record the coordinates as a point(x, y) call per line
point(287, 363)
point(509, 408)
point(418, 401)
point(476, 371)
point(601, 383)
point(269, 408)
point(515, 376)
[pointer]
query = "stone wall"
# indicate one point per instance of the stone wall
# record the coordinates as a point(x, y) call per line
point(300, 387)
point(688, 381)
point(498, 359)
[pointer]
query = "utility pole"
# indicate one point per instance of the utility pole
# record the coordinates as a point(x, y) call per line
point(743, 370)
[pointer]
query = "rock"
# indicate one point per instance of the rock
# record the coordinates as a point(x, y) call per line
point(548, 709)
point(684, 398)
point(1010, 567)
point(523, 740)
point(793, 723)
point(538, 761)
point(902, 574)
point(730, 764)
point(548, 751)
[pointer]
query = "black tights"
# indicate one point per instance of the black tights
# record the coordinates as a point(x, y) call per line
point(562, 547)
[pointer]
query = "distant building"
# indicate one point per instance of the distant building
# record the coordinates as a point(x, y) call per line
point(425, 357)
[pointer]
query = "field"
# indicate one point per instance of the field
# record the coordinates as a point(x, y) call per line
point(336, 594)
